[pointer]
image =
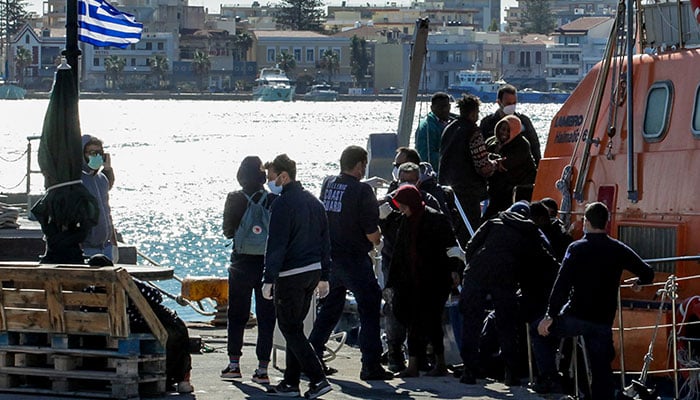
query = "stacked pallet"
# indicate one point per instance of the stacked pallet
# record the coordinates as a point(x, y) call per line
point(57, 338)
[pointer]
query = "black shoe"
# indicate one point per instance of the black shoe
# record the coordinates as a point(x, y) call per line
point(467, 377)
point(328, 371)
point(396, 367)
point(510, 379)
point(376, 374)
point(318, 389)
point(283, 389)
point(546, 385)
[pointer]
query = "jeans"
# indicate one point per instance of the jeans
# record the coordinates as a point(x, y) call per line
point(244, 279)
point(599, 348)
point(356, 275)
point(107, 250)
point(292, 299)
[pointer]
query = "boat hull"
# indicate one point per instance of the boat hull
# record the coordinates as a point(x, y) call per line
point(321, 96)
point(274, 94)
point(523, 96)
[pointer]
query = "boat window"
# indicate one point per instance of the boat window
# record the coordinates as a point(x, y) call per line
point(695, 124)
point(656, 114)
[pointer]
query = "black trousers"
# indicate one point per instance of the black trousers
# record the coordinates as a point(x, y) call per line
point(292, 300)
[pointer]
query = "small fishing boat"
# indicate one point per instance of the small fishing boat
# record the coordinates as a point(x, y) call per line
point(12, 92)
point(273, 85)
point(321, 92)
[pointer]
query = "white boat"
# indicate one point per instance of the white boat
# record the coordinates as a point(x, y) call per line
point(273, 85)
point(321, 92)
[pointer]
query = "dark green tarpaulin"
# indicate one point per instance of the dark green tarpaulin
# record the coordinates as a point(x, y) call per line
point(67, 211)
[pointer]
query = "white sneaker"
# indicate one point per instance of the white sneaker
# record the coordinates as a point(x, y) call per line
point(185, 387)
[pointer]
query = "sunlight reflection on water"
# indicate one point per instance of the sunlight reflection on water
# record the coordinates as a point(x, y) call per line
point(175, 161)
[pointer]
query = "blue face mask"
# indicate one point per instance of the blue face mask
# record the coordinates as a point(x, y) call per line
point(95, 162)
point(274, 188)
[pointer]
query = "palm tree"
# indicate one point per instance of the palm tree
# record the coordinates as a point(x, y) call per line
point(23, 59)
point(114, 66)
point(159, 67)
point(330, 62)
point(202, 66)
point(286, 62)
point(242, 42)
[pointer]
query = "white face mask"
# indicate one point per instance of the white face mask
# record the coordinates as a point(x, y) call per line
point(274, 188)
point(395, 173)
point(509, 110)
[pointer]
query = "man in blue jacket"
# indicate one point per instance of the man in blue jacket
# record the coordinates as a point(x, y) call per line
point(297, 264)
point(430, 129)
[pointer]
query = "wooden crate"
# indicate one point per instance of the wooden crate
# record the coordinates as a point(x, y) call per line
point(57, 338)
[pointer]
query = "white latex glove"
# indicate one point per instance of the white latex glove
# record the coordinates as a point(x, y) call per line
point(384, 210)
point(456, 252)
point(267, 291)
point(375, 182)
point(322, 289)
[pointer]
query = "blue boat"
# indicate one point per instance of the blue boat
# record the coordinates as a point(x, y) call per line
point(481, 84)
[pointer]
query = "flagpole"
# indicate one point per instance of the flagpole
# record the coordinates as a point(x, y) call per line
point(72, 51)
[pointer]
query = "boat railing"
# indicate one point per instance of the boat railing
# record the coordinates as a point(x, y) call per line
point(669, 24)
point(668, 290)
point(27, 178)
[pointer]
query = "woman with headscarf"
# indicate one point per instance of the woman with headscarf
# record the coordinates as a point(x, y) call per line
point(421, 276)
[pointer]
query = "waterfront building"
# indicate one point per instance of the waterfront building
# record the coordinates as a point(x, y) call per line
point(45, 56)
point(524, 60)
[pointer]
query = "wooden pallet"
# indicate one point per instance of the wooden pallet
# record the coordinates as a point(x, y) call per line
point(55, 338)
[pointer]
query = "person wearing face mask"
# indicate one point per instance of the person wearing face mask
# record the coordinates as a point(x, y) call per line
point(421, 276)
point(507, 100)
point(465, 163)
point(245, 274)
point(353, 220)
point(516, 167)
point(98, 178)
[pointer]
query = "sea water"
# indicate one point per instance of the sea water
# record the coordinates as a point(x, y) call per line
point(176, 160)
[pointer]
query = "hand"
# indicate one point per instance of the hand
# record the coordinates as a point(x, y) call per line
point(543, 326)
point(384, 210)
point(322, 289)
point(456, 252)
point(107, 161)
point(636, 287)
point(500, 165)
point(456, 279)
point(267, 291)
point(380, 246)
point(375, 182)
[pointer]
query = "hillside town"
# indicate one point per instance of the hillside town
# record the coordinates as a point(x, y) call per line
point(358, 49)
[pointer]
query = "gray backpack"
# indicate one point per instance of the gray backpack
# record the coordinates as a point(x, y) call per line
point(251, 235)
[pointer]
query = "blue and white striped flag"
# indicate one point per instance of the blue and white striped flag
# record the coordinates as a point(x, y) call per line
point(100, 24)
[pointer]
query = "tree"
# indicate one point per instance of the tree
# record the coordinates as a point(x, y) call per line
point(13, 15)
point(301, 15)
point(159, 67)
point(359, 59)
point(494, 25)
point(114, 66)
point(202, 66)
point(537, 17)
point(23, 59)
point(242, 42)
point(286, 62)
point(330, 62)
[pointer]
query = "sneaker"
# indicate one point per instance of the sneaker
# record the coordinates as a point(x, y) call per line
point(377, 373)
point(283, 389)
point(328, 371)
point(231, 372)
point(317, 390)
point(185, 387)
point(261, 377)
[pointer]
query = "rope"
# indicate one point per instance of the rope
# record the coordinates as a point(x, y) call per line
point(15, 186)
point(62, 184)
point(21, 156)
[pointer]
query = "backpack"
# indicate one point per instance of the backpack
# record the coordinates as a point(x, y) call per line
point(251, 234)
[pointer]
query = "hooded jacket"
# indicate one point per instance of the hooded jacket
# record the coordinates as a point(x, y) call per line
point(98, 184)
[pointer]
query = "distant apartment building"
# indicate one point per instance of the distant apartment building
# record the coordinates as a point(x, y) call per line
point(525, 59)
point(564, 11)
point(45, 56)
point(578, 46)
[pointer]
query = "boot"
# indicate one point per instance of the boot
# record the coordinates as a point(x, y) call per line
point(440, 368)
point(412, 370)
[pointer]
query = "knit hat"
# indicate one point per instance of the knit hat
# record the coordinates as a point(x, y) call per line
point(522, 208)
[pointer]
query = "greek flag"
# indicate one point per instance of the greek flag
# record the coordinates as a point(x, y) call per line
point(102, 25)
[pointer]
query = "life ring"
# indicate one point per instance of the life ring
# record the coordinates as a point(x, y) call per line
point(695, 7)
point(688, 311)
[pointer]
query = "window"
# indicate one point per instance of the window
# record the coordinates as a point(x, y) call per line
point(511, 57)
point(149, 46)
point(458, 57)
point(133, 62)
point(309, 55)
point(96, 62)
point(695, 122)
point(271, 56)
point(538, 57)
point(297, 55)
point(161, 45)
point(656, 113)
point(336, 50)
point(26, 39)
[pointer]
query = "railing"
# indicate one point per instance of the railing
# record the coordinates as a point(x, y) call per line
point(27, 178)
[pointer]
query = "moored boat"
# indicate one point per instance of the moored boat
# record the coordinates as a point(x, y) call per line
point(273, 85)
point(321, 92)
point(629, 136)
